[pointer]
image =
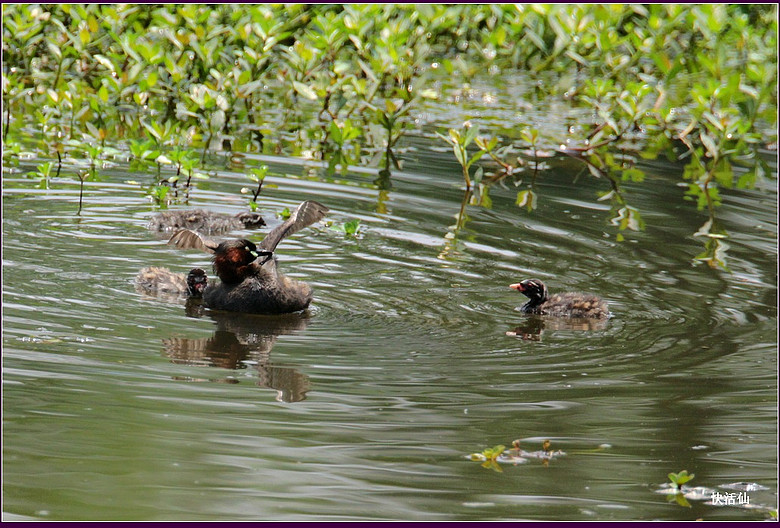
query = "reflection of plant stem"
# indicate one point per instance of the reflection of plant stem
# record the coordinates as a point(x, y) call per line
point(381, 201)
point(383, 182)
point(706, 188)
point(462, 213)
point(450, 238)
point(536, 169)
point(205, 146)
point(7, 119)
point(82, 176)
point(615, 187)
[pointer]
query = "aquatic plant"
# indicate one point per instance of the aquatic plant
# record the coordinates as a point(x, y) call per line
point(678, 479)
point(350, 228)
point(460, 139)
point(489, 457)
point(347, 83)
point(257, 175)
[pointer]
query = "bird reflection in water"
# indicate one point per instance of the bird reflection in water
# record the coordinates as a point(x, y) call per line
point(534, 326)
point(240, 341)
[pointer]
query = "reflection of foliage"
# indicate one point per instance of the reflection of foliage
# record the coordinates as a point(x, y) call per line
point(680, 81)
point(715, 248)
point(344, 84)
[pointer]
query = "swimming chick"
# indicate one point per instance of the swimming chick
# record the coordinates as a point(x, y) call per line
point(561, 304)
point(206, 222)
point(154, 280)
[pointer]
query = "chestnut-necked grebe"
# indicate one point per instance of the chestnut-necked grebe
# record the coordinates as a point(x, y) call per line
point(250, 280)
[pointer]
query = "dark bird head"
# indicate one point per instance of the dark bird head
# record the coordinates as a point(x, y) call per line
point(534, 289)
point(232, 259)
point(197, 282)
point(251, 219)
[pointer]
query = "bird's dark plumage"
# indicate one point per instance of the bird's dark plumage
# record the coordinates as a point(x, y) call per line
point(206, 222)
point(154, 280)
point(250, 281)
point(560, 304)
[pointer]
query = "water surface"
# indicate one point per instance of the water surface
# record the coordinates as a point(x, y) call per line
point(118, 406)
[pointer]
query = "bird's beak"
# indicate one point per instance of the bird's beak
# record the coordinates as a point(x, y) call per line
point(518, 287)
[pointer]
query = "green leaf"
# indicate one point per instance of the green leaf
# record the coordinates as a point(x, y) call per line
point(493, 453)
point(471, 133)
point(460, 155)
point(477, 155)
point(335, 133)
point(633, 174)
point(351, 228)
point(304, 90)
point(709, 144)
point(526, 198)
point(678, 479)
point(724, 174)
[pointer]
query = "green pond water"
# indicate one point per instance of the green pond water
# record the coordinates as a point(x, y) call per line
point(117, 406)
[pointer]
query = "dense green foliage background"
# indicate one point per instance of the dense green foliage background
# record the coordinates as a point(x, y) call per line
point(344, 83)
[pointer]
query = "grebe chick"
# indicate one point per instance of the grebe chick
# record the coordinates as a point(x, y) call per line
point(155, 280)
point(561, 304)
point(249, 279)
point(206, 222)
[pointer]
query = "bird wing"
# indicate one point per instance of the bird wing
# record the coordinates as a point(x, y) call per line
point(305, 215)
point(188, 239)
